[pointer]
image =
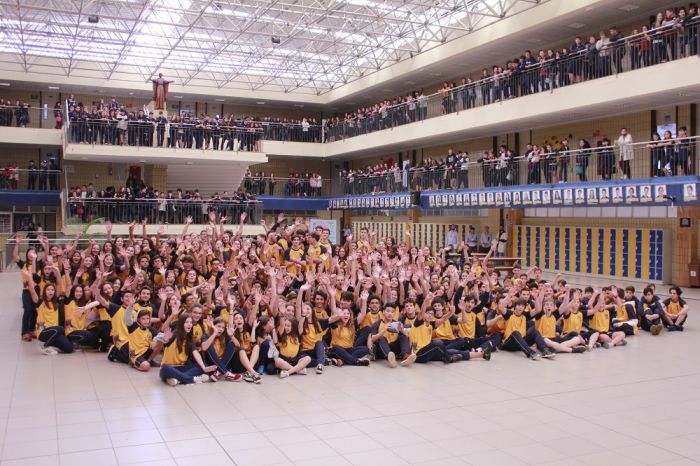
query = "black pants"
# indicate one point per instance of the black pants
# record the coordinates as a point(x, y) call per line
point(348, 355)
point(400, 347)
point(84, 337)
point(55, 336)
point(516, 342)
point(28, 314)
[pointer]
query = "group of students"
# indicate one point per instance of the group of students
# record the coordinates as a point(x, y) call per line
point(216, 306)
point(19, 110)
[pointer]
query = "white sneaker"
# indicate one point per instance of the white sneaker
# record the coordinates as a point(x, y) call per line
point(201, 378)
point(284, 374)
point(49, 351)
point(302, 371)
point(172, 382)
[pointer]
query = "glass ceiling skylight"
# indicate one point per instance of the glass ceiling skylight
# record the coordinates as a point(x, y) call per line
point(323, 44)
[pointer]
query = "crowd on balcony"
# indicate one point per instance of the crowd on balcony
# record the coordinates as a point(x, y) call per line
point(549, 162)
point(17, 112)
point(41, 177)
point(672, 34)
point(308, 184)
point(137, 200)
point(111, 123)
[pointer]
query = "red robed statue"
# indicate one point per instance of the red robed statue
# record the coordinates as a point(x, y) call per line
point(160, 91)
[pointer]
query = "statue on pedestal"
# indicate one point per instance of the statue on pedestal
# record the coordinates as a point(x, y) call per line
point(160, 91)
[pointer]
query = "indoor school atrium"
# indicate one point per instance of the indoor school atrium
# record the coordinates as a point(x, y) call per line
point(349, 232)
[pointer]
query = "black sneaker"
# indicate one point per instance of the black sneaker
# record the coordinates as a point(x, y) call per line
point(154, 363)
point(487, 353)
point(112, 353)
point(534, 356)
point(578, 349)
point(548, 353)
point(679, 328)
point(248, 377)
point(363, 361)
point(455, 358)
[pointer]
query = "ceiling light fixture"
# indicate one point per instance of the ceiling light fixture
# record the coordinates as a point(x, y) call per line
point(53, 88)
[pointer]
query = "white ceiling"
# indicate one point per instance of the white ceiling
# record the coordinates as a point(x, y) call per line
point(228, 44)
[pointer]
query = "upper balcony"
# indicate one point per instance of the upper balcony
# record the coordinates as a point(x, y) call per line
point(30, 126)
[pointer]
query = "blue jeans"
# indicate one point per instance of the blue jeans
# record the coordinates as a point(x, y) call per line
point(349, 356)
point(184, 374)
point(317, 355)
point(55, 336)
point(224, 362)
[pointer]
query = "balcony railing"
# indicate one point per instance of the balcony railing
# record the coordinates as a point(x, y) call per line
point(87, 128)
point(288, 187)
point(649, 159)
point(171, 211)
point(546, 75)
point(26, 116)
point(536, 76)
point(38, 179)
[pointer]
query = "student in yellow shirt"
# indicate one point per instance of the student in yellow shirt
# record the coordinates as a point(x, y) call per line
point(516, 336)
point(675, 310)
point(289, 359)
point(219, 349)
point(182, 363)
point(48, 310)
point(599, 318)
point(388, 339)
point(248, 351)
point(311, 329)
point(76, 311)
point(342, 326)
point(142, 348)
point(546, 317)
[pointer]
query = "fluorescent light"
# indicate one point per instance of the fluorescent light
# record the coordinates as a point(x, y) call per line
point(131, 93)
point(4, 84)
point(259, 102)
point(54, 88)
point(178, 96)
point(299, 105)
point(220, 100)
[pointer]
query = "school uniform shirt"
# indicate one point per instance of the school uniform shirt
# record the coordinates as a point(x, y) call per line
point(573, 323)
point(289, 347)
point(421, 335)
point(407, 321)
point(245, 339)
point(600, 321)
point(147, 306)
point(546, 324)
point(120, 331)
point(514, 323)
point(623, 315)
point(674, 307)
point(72, 321)
point(342, 335)
point(173, 356)
point(468, 327)
point(47, 316)
point(294, 254)
point(379, 327)
point(198, 331)
point(315, 252)
point(219, 345)
point(140, 340)
point(499, 326)
point(444, 330)
point(22, 265)
point(370, 319)
point(312, 335)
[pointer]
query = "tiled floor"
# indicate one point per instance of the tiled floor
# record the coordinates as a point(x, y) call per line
point(634, 405)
